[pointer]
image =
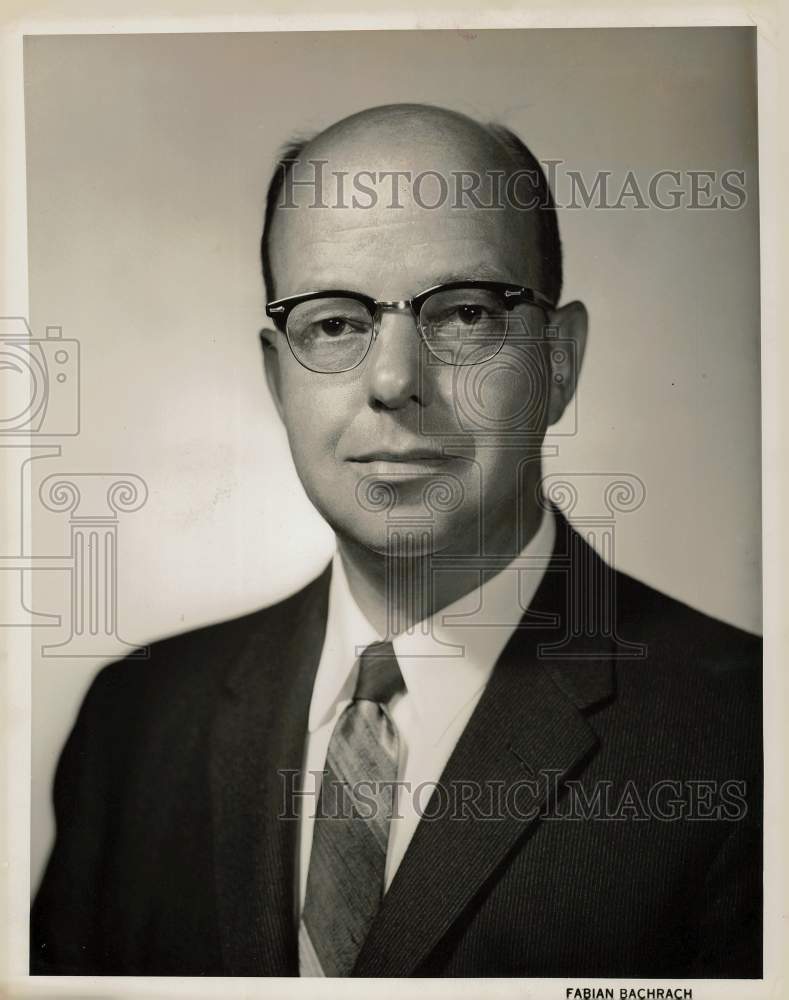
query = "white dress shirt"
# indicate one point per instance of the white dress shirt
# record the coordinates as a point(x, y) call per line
point(445, 662)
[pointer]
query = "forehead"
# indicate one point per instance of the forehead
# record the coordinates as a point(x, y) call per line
point(389, 207)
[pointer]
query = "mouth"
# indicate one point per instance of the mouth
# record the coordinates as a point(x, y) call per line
point(405, 456)
point(402, 463)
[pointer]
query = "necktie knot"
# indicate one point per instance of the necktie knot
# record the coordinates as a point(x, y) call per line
point(379, 674)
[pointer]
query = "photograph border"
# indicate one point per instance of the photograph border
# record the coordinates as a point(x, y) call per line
point(15, 644)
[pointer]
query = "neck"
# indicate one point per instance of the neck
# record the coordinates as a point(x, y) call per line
point(397, 592)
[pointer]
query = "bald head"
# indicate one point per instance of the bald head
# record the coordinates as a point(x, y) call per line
point(415, 169)
point(408, 134)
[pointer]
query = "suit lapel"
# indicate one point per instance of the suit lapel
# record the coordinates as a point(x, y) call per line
point(258, 735)
point(528, 732)
point(530, 725)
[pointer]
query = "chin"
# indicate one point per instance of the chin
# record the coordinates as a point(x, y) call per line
point(395, 538)
point(425, 516)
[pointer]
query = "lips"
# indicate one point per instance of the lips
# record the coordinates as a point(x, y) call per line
point(401, 465)
point(406, 456)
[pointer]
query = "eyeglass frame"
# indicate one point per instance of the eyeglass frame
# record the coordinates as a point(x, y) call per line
point(512, 295)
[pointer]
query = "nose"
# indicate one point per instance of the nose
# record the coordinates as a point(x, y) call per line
point(393, 365)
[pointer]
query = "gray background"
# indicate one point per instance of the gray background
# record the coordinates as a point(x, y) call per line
point(148, 157)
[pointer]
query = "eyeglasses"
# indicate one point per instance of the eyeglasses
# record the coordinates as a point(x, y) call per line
point(460, 323)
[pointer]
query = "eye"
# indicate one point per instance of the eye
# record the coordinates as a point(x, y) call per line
point(328, 319)
point(470, 313)
point(333, 326)
point(462, 314)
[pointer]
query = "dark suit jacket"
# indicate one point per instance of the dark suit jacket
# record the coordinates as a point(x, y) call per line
point(171, 857)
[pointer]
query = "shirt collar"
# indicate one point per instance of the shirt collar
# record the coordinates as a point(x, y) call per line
point(446, 659)
point(348, 632)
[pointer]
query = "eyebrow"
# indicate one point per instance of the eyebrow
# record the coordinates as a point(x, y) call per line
point(482, 273)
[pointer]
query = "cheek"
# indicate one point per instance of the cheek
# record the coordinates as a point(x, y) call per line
point(314, 411)
point(506, 396)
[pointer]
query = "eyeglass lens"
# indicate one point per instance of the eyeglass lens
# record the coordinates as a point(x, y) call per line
point(459, 326)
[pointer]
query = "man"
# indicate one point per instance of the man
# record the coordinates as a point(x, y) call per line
point(469, 748)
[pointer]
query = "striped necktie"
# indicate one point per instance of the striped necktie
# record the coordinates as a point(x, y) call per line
point(345, 881)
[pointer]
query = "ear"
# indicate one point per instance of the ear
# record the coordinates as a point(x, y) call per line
point(566, 354)
point(268, 342)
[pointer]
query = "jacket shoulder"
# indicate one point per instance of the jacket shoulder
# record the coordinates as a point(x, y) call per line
point(697, 682)
point(194, 663)
point(675, 628)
